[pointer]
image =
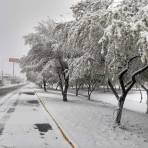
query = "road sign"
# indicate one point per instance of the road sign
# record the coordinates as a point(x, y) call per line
point(14, 60)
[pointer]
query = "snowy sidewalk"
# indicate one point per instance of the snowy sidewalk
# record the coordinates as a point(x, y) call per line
point(90, 123)
point(24, 123)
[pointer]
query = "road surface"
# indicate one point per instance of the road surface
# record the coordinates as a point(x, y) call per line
point(25, 124)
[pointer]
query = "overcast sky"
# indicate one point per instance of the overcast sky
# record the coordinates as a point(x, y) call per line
point(18, 17)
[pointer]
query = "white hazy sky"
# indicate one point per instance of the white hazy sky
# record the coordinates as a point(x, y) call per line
point(18, 17)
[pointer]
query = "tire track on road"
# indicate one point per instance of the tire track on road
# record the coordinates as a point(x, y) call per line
point(7, 107)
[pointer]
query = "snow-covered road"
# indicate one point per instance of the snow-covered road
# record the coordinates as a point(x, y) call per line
point(8, 88)
point(25, 124)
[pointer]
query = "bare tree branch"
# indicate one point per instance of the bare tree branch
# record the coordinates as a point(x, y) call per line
point(139, 72)
point(134, 77)
point(113, 89)
point(128, 83)
point(143, 87)
point(122, 73)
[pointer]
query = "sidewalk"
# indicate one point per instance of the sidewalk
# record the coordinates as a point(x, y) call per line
point(90, 123)
point(24, 124)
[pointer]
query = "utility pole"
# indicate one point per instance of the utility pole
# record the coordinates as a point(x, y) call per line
point(1, 79)
point(13, 69)
point(2, 75)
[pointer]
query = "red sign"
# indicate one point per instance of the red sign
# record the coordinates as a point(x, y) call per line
point(14, 60)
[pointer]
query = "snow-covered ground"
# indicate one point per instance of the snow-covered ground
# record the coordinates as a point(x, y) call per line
point(132, 101)
point(24, 123)
point(90, 123)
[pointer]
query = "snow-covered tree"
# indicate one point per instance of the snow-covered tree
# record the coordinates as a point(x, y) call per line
point(41, 49)
point(118, 33)
point(103, 41)
point(123, 42)
point(46, 55)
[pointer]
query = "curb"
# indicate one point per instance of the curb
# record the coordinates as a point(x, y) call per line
point(57, 124)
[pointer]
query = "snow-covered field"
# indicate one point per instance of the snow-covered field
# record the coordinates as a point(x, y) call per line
point(90, 123)
point(132, 101)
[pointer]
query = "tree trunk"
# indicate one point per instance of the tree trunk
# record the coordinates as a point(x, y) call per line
point(89, 87)
point(89, 97)
point(44, 84)
point(77, 89)
point(65, 89)
point(119, 110)
point(77, 92)
point(64, 97)
point(119, 88)
point(147, 97)
point(147, 102)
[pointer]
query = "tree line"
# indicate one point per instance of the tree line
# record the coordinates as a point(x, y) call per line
point(106, 45)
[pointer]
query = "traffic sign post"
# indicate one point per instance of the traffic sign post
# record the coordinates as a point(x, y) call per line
point(13, 61)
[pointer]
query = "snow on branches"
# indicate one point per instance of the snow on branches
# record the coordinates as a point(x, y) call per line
point(99, 41)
